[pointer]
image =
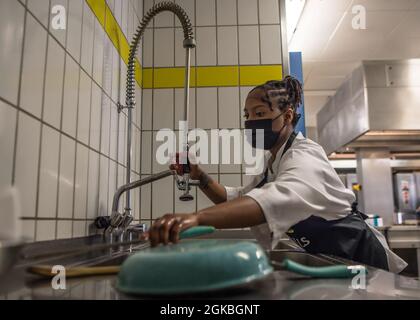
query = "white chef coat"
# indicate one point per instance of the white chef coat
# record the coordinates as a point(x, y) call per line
point(303, 183)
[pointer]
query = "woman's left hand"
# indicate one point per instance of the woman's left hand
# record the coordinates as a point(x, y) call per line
point(166, 229)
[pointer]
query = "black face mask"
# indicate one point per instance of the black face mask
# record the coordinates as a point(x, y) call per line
point(270, 136)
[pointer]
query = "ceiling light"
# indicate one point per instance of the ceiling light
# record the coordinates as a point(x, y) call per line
point(294, 9)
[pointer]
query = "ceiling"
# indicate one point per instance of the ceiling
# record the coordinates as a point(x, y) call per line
point(331, 48)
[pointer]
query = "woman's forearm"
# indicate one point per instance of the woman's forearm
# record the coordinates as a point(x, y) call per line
point(239, 213)
point(213, 190)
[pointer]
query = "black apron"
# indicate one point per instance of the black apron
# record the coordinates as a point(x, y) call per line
point(349, 237)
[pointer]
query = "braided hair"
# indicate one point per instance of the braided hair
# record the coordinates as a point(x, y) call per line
point(283, 94)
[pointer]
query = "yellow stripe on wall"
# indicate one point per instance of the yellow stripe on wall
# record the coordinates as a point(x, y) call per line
point(173, 77)
point(107, 20)
point(218, 76)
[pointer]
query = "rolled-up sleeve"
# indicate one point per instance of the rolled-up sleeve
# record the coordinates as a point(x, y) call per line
point(233, 193)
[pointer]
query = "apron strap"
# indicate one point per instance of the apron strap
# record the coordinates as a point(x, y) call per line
point(286, 148)
point(354, 210)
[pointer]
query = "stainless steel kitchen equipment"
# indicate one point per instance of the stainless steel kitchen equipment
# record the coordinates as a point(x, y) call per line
point(374, 113)
point(376, 106)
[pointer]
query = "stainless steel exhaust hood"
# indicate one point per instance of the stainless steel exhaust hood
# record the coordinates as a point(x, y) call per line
point(378, 105)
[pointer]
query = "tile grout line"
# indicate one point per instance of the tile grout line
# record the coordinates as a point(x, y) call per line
point(141, 126)
point(90, 127)
point(196, 89)
point(77, 117)
point(153, 96)
point(13, 182)
point(25, 16)
point(239, 79)
point(40, 149)
point(217, 88)
point(259, 32)
point(60, 131)
point(174, 108)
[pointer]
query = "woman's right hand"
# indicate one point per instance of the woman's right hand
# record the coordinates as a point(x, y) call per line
point(195, 170)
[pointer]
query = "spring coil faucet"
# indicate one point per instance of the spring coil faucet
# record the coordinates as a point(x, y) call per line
point(122, 221)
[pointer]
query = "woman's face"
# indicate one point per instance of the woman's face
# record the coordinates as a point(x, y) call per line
point(256, 109)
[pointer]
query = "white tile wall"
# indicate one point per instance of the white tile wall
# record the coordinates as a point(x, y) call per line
point(7, 136)
point(81, 182)
point(122, 146)
point(95, 117)
point(66, 177)
point(60, 125)
point(269, 11)
point(26, 164)
point(206, 46)
point(113, 143)
point(248, 45)
point(164, 47)
point(206, 12)
point(74, 27)
point(270, 44)
point(48, 175)
point(248, 12)
point(105, 124)
point(88, 32)
point(71, 88)
point(28, 229)
point(53, 93)
point(227, 45)
point(207, 108)
point(83, 112)
point(98, 52)
point(162, 188)
point(145, 194)
point(103, 186)
point(93, 185)
point(64, 229)
point(148, 50)
point(72, 80)
point(33, 67)
point(11, 19)
point(226, 12)
point(40, 10)
point(147, 109)
point(229, 108)
point(163, 108)
point(146, 158)
point(45, 230)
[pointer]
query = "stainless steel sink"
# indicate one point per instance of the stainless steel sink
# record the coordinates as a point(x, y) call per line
point(284, 250)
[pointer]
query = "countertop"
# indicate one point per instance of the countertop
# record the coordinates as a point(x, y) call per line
point(18, 284)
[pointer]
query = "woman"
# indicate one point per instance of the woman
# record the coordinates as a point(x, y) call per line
point(299, 193)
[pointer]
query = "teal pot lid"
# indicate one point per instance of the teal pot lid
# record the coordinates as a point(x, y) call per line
point(193, 266)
